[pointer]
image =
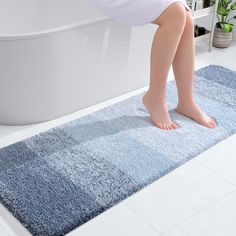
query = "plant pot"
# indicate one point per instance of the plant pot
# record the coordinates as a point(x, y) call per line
point(221, 39)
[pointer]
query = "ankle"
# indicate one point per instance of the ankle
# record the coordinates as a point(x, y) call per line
point(155, 98)
point(186, 103)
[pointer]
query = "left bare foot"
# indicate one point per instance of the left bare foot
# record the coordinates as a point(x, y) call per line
point(194, 112)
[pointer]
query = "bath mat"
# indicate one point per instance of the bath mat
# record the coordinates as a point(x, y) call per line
point(61, 178)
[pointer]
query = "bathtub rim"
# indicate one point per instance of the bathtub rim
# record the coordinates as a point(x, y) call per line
point(48, 32)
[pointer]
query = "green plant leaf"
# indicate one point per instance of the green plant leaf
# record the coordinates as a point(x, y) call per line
point(226, 2)
point(221, 10)
point(233, 6)
point(227, 28)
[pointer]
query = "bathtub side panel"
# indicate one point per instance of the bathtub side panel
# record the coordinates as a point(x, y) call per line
point(44, 78)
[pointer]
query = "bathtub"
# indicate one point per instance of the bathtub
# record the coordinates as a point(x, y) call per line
point(59, 56)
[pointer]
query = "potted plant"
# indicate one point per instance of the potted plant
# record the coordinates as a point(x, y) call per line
point(223, 34)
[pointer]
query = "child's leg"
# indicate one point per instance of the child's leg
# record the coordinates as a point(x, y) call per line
point(183, 68)
point(166, 39)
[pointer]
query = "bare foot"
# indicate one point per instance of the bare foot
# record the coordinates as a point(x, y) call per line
point(194, 112)
point(159, 113)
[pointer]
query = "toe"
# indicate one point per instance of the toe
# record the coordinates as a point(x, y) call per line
point(164, 126)
point(167, 127)
point(210, 125)
point(175, 126)
point(213, 121)
point(159, 125)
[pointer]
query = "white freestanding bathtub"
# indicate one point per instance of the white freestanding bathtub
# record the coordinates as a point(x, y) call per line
point(59, 56)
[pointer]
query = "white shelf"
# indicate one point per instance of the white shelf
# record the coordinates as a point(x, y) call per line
point(202, 38)
point(207, 11)
point(203, 12)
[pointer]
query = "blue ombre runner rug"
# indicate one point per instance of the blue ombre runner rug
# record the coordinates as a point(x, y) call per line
point(59, 179)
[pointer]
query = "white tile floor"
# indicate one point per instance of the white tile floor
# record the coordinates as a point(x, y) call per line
point(196, 199)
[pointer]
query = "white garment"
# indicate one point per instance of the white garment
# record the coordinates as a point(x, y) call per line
point(135, 12)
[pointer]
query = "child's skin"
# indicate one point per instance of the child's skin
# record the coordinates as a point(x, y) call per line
point(173, 43)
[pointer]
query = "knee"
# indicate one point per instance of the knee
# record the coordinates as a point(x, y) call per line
point(176, 19)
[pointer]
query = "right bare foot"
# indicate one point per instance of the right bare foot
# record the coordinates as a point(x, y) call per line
point(159, 113)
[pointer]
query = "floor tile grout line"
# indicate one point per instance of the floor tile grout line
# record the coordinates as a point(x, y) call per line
point(216, 173)
point(141, 218)
point(199, 211)
point(219, 199)
point(4, 229)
